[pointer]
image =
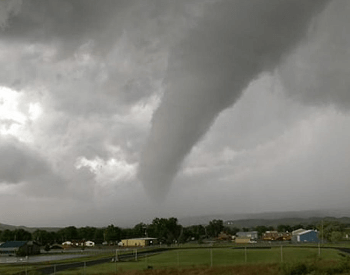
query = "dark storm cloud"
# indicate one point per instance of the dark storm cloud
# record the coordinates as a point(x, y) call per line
point(233, 43)
point(68, 23)
point(8, 9)
point(113, 52)
point(21, 164)
point(318, 70)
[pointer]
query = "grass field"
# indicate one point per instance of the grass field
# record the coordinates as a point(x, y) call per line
point(224, 260)
point(184, 260)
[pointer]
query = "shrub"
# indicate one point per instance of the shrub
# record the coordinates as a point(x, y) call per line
point(295, 269)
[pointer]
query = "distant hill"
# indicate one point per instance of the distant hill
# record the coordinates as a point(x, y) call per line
point(285, 221)
point(29, 229)
point(272, 218)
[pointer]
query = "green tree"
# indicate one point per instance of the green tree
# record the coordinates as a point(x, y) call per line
point(231, 230)
point(68, 233)
point(112, 233)
point(336, 236)
point(310, 226)
point(42, 236)
point(127, 233)
point(326, 228)
point(22, 235)
point(52, 237)
point(261, 229)
point(7, 235)
point(284, 228)
point(86, 233)
point(166, 230)
point(297, 226)
point(194, 232)
point(99, 236)
point(215, 227)
point(140, 230)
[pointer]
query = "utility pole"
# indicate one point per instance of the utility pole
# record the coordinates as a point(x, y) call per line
point(211, 257)
point(178, 260)
point(281, 254)
point(319, 249)
point(116, 259)
point(322, 232)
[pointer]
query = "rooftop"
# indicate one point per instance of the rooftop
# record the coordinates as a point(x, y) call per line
point(13, 244)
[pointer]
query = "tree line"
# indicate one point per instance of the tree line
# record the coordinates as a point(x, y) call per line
point(166, 230)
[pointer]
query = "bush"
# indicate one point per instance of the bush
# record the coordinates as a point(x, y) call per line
point(315, 268)
point(343, 266)
point(296, 269)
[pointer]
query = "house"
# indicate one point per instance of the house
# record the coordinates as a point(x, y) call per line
point(139, 242)
point(305, 236)
point(67, 244)
point(19, 248)
point(276, 236)
point(270, 236)
point(89, 243)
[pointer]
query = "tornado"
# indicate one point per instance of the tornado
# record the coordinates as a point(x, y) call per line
point(226, 49)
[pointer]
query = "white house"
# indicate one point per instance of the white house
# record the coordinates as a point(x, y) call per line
point(67, 243)
point(89, 243)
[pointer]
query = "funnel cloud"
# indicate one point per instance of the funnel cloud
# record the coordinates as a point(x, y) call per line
point(229, 47)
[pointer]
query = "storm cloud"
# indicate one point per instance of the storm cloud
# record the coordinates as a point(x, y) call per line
point(317, 70)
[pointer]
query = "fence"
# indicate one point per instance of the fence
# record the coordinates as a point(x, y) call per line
point(178, 258)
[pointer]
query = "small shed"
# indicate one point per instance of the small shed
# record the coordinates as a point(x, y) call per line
point(19, 248)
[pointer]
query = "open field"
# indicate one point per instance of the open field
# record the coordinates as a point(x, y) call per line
point(204, 260)
point(225, 259)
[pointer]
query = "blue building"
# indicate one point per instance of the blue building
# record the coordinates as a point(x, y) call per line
point(310, 236)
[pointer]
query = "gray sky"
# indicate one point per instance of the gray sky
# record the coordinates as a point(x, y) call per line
point(122, 111)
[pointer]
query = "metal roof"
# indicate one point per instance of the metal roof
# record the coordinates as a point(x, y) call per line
point(298, 231)
point(307, 231)
point(13, 244)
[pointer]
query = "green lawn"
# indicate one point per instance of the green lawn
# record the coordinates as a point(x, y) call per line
point(187, 258)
